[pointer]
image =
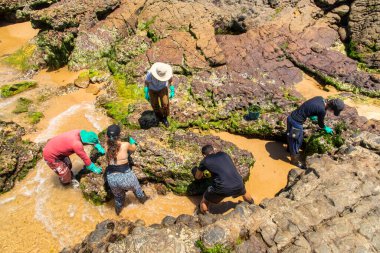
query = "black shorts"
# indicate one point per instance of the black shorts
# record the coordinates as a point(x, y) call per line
point(212, 196)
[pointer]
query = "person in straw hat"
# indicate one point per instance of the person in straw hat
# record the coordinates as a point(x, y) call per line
point(159, 89)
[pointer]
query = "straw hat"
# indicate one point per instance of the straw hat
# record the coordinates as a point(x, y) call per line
point(161, 71)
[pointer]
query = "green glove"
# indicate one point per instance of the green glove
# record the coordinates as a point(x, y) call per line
point(328, 130)
point(96, 169)
point(132, 141)
point(313, 118)
point(172, 92)
point(100, 149)
point(146, 91)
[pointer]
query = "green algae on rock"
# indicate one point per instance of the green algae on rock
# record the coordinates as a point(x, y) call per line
point(22, 58)
point(9, 90)
point(17, 156)
point(22, 105)
point(167, 158)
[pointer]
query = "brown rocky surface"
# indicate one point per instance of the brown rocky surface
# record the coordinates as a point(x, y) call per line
point(17, 157)
point(312, 214)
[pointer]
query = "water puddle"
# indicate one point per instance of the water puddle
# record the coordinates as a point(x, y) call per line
point(13, 36)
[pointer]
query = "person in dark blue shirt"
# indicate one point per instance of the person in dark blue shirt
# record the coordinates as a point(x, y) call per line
point(315, 109)
point(226, 180)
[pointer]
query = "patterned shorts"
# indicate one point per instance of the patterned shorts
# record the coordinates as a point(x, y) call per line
point(62, 168)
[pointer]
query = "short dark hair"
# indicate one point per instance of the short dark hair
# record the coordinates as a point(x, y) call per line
point(207, 149)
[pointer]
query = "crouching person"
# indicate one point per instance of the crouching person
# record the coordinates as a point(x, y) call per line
point(226, 180)
point(119, 175)
point(58, 149)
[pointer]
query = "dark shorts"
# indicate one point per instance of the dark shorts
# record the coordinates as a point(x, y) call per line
point(212, 196)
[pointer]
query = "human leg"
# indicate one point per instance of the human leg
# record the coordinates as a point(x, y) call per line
point(114, 181)
point(154, 101)
point(164, 100)
point(62, 168)
point(135, 186)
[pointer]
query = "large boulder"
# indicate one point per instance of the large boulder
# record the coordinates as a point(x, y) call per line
point(168, 158)
point(315, 212)
point(17, 157)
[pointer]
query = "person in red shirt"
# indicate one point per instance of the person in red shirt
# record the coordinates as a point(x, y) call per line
point(58, 149)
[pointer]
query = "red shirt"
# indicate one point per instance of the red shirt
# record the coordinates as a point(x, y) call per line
point(65, 145)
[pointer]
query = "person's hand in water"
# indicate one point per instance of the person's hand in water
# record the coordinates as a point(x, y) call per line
point(94, 168)
point(146, 91)
point(172, 92)
point(328, 130)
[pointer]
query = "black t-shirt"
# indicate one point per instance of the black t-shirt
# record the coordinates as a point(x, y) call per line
point(312, 107)
point(226, 178)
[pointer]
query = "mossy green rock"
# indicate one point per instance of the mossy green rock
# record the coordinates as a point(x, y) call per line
point(9, 90)
point(167, 158)
point(17, 157)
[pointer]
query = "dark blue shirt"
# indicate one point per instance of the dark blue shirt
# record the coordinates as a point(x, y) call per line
point(312, 107)
point(226, 178)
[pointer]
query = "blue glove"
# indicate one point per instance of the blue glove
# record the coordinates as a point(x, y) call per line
point(146, 91)
point(328, 130)
point(100, 149)
point(313, 118)
point(132, 141)
point(172, 92)
point(96, 169)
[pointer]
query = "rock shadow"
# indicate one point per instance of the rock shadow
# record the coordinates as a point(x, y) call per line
point(277, 151)
point(148, 120)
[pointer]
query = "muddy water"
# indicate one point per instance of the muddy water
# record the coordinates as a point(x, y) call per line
point(12, 36)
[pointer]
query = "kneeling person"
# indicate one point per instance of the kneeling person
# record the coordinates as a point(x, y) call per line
point(120, 176)
point(226, 180)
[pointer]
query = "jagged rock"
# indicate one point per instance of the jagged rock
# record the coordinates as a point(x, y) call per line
point(19, 10)
point(313, 214)
point(167, 158)
point(83, 81)
point(17, 157)
point(363, 26)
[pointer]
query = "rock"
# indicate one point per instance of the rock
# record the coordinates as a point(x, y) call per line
point(83, 81)
point(342, 33)
point(341, 10)
point(363, 26)
point(319, 218)
point(167, 160)
point(17, 157)
point(18, 11)
point(168, 221)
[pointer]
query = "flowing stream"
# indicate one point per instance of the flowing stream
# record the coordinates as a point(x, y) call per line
point(40, 215)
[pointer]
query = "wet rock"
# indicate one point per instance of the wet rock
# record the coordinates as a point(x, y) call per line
point(363, 25)
point(17, 157)
point(83, 81)
point(213, 235)
point(168, 160)
point(168, 221)
point(14, 10)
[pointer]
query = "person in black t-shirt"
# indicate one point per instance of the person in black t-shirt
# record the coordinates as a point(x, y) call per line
point(226, 180)
point(315, 109)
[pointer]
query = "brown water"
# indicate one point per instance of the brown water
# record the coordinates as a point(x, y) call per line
point(39, 215)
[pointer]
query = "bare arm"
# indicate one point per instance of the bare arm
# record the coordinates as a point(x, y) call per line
point(131, 148)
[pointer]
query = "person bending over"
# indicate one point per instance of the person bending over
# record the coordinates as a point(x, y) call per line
point(58, 149)
point(226, 180)
point(119, 175)
point(315, 109)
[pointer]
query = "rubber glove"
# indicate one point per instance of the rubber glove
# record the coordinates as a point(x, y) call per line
point(132, 141)
point(100, 149)
point(313, 118)
point(328, 130)
point(146, 91)
point(172, 92)
point(96, 169)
